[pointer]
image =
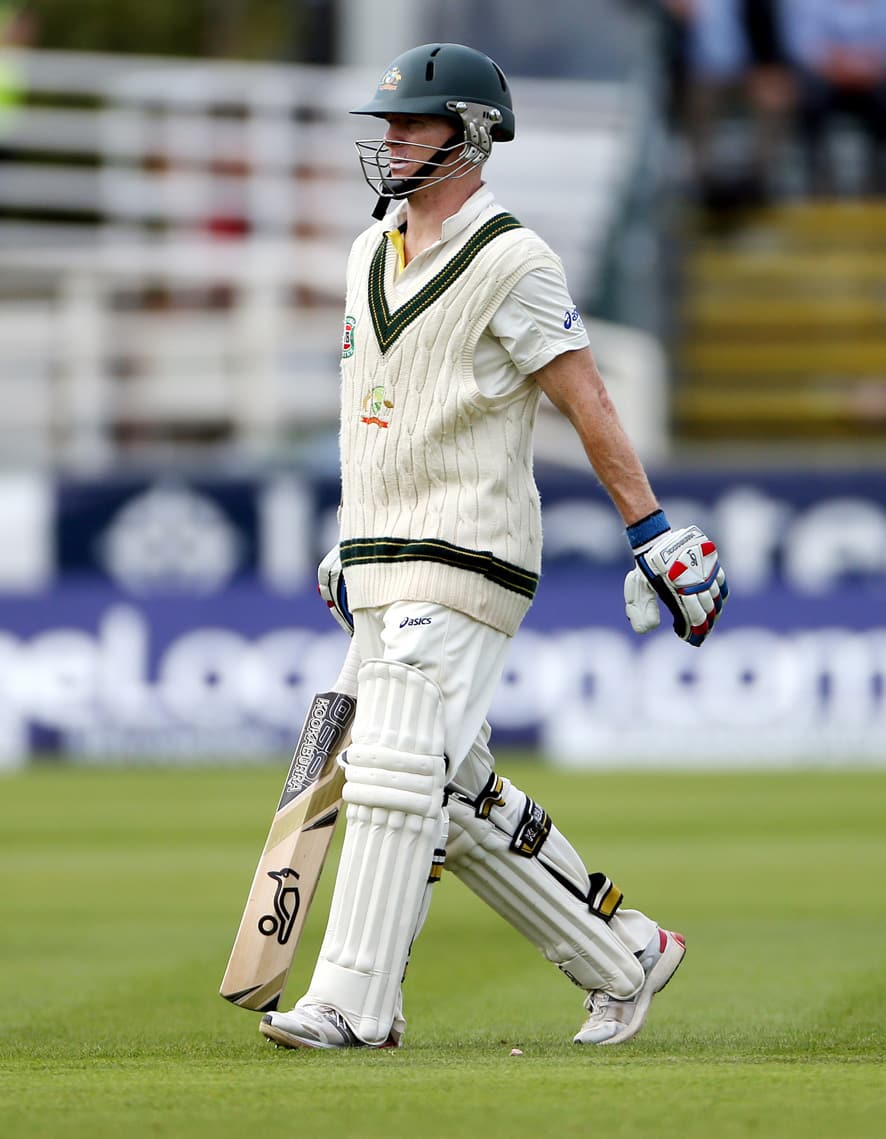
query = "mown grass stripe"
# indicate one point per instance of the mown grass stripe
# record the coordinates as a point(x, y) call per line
point(772, 1028)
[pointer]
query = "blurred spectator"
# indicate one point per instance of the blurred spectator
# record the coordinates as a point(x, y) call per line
point(674, 19)
point(574, 39)
point(838, 50)
point(16, 31)
point(316, 41)
point(736, 66)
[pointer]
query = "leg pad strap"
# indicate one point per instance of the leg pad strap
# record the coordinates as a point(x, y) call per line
point(506, 849)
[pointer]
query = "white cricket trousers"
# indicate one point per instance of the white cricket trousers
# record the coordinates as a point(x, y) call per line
point(465, 658)
point(462, 656)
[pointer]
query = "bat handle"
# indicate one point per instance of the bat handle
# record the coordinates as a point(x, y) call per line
point(347, 678)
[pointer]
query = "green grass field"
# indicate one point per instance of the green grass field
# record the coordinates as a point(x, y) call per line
point(122, 891)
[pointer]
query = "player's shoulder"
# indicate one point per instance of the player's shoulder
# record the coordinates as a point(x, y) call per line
point(527, 239)
point(370, 236)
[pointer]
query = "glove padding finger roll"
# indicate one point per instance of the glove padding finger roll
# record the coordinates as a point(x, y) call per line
point(683, 567)
point(641, 602)
point(331, 584)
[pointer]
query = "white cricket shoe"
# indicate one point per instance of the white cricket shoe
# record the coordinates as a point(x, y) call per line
point(314, 1026)
point(612, 1021)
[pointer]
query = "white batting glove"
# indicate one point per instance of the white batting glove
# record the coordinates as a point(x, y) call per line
point(332, 588)
point(680, 568)
point(641, 602)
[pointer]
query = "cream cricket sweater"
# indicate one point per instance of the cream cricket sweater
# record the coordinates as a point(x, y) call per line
point(439, 502)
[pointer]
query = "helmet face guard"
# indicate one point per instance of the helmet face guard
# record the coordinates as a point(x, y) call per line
point(446, 80)
point(471, 147)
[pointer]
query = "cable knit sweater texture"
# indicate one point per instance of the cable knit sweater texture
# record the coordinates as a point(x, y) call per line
point(439, 501)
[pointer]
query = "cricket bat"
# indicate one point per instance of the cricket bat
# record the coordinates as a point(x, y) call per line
point(292, 859)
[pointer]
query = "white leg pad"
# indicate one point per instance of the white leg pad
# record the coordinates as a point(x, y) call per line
point(505, 848)
point(395, 775)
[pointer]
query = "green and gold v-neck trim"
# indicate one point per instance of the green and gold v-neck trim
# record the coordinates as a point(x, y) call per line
point(389, 325)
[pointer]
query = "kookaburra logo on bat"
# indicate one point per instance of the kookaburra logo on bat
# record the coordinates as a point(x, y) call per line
point(286, 903)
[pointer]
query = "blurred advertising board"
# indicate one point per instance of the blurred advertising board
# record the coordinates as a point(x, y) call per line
point(176, 619)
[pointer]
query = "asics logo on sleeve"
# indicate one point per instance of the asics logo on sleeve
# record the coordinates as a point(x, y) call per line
point(572, 319)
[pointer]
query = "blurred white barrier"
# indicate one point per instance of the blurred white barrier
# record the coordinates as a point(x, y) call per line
point(634, 365)
point(185, 235)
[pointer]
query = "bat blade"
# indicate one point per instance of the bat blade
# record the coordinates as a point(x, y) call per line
point(292, 859)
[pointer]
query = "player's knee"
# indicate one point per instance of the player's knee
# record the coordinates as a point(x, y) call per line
point(472, 839)
point(395, 760)
point(497, 816)
point(377, 776)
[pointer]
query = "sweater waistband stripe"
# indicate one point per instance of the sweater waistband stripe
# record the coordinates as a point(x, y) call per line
point(363, 551)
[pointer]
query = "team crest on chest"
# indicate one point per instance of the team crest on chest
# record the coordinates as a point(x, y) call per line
point(377, 408)
point(347, 339)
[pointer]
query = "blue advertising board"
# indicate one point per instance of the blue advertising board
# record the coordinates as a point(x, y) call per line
point(177, 618)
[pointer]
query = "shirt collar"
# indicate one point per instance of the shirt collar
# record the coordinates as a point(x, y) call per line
point(469, 212)
point(457, 222)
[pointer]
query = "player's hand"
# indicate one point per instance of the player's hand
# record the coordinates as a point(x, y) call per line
point(682, 569)
point(331, 584)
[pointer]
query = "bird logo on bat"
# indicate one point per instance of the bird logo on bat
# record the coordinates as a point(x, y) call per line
point(286, 904)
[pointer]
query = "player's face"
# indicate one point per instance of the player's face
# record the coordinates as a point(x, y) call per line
point(413, 139)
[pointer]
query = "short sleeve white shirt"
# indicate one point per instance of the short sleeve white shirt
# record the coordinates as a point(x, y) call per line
point(536, 322)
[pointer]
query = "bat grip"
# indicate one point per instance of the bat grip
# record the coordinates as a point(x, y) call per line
point(347, 678)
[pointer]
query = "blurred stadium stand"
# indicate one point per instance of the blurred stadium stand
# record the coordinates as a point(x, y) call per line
point(784, 328)
point(173, 238)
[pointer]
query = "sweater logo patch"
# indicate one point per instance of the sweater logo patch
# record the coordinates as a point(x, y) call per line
point(347, 339)
point(377, 408)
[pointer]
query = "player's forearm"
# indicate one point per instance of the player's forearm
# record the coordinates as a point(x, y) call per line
point(573, 384)
point(618, 468)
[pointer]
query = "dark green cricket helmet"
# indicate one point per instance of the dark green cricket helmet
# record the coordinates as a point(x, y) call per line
point(454, 82)
point(431, 79)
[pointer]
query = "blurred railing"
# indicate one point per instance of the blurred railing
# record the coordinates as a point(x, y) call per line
point(784, 330)
point(173, 238)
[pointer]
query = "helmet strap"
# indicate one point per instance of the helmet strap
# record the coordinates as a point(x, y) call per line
point(401, 187)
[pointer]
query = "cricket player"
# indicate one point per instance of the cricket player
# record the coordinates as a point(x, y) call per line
point(457, 319)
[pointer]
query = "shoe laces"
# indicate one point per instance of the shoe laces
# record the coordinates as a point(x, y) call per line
point(597, 1002)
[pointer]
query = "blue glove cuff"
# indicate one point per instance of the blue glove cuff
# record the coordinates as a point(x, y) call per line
point(648, 528)
point(342, 598)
